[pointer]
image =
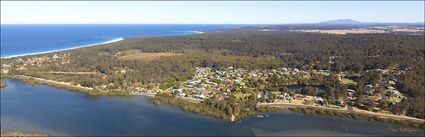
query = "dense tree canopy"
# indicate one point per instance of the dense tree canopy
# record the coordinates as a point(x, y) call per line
point(250, 48)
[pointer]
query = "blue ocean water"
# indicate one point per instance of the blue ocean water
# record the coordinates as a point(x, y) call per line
point(27, 39)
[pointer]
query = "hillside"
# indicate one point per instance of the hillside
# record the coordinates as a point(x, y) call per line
point(340, 22)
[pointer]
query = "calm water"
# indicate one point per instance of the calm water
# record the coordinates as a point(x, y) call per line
point(40, 108)
point(300, 87)
point(24, 39)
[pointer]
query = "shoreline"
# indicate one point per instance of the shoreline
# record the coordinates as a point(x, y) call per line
point(409, 121)
point(192, 32)
point(389, 116)
point(86, 45)
point(342, 114)
point(197, 32)
point(65, 49)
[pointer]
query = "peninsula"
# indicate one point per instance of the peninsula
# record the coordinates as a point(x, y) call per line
point(234, 73)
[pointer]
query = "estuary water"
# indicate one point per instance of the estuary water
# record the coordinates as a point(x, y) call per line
point(45, 109)
point(28, 39)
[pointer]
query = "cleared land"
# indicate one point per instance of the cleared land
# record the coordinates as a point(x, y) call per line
point(144, 56)
point(348, 81)
point(73, 73)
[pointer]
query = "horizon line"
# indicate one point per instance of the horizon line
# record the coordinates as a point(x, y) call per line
point(200, 23)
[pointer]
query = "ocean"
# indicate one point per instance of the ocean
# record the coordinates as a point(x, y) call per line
point(29, 39)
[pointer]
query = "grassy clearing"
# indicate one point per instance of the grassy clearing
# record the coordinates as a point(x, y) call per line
point(144, 56)
point(348, 81)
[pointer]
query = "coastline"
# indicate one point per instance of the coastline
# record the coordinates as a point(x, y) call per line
point(192, 32)
point(342, 114)
point(197, 32)
point(61, 85)
point(184, 103)
point(87, 45)
point(340, 110)
point(65, 49)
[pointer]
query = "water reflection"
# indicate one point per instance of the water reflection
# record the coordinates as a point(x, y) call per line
point(44, 109)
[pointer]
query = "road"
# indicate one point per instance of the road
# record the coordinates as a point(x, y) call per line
point(73, 73)
point(55, 82)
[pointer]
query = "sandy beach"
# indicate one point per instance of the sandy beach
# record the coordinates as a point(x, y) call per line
point(88, 45)
point(197, 32)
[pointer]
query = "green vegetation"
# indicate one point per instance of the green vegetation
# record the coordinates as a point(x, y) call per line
point(362, 58)
point(224, 109)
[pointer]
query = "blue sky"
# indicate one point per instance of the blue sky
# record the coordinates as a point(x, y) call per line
point(140, 12)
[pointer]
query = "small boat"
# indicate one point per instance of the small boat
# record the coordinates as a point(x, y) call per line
point(260, 116)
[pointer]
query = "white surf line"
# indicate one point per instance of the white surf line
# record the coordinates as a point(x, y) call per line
point(44, 52)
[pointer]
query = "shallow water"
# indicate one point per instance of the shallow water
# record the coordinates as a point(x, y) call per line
point(45, 109)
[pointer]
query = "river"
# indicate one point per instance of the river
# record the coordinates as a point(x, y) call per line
point(55, 111)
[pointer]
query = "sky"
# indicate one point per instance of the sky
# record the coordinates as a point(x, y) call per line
point(212, 12)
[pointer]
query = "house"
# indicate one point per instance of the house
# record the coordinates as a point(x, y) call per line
point(308, 98)
point(368, 87)
point(259, 95)
point(377, 97)
point(281, 97)
point(284, 96)
point(391, 88)
point(182, 94)
point(201, 96)
point(5, 68)
point(319, 100)
point(193, 82)
point(370, 92)
point(395, 92)
point(298, 96)
point(338, 102)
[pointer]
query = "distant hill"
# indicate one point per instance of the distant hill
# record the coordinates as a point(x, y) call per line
point(340, 22)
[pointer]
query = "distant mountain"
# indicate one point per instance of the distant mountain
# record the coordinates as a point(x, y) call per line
point(340, 22)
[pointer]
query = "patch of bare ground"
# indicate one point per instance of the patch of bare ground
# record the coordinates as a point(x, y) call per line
point(144, 56)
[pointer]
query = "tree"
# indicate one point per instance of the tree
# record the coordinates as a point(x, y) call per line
point(357, 67)
point(309, 90)
point(229, 110)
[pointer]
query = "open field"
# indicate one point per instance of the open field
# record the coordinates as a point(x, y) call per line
point(144, 56)
point(348, 81)
point(73, 73)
